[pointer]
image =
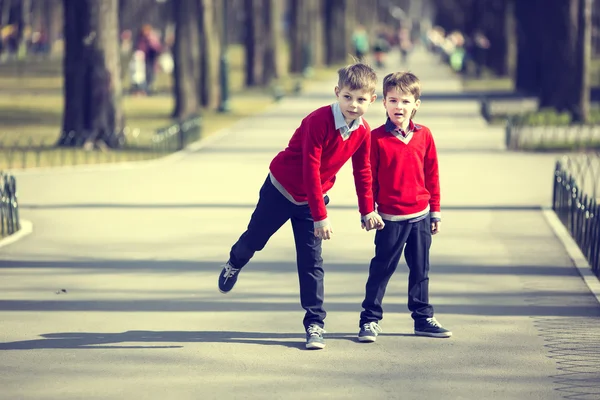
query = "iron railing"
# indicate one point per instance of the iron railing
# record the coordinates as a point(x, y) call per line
point(576, 202)
point(21, 151)
point(9, 206)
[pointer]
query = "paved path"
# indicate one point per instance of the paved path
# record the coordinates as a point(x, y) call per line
point(138, 251)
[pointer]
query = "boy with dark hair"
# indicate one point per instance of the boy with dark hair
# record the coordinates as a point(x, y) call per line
point(406, 188)
point(296, 188)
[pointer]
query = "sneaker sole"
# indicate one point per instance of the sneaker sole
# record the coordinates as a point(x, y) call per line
point(315, 346)
point(367, 339)
point(435, 335)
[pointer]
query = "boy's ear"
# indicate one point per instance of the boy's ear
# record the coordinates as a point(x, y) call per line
point(417, 103)
point(337, 91)
point(373, 98)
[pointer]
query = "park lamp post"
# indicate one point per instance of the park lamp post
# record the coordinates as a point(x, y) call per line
point(224, 64)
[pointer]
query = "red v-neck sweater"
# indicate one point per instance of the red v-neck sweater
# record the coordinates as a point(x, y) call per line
point(405, 176)
point(316, 152)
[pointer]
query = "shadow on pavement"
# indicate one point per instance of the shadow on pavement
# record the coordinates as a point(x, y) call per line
point(176, 339)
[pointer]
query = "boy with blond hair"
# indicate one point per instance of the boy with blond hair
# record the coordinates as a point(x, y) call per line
point(296, 188)
point(406, 189)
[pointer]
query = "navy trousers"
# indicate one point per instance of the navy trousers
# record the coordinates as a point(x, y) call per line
point(415, 239)
point(272, 211)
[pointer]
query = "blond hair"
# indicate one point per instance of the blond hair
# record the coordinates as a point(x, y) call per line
point(357, 76)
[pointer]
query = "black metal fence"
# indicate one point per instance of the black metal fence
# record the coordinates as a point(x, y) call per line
point(21, 151)
point(576, 202)
point(9, 207)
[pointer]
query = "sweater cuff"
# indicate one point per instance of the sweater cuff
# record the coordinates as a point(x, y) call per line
point(321, 224)
point(437, 216)
point(364, 218)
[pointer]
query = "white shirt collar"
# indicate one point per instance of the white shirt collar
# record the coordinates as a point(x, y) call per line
point(340, 122)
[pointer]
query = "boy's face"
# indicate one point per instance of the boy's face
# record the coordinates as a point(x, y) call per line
point(400, 106)
point(354, 103)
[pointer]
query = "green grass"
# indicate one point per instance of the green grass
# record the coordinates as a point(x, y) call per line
point(31, 107)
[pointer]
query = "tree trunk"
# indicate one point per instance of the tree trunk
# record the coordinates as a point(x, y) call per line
point(316, 37)
point(529, 54)
point(53, 25)
point(299, 36)
point(186, 57)
point(338, 30)
point(491, 19)
point(511, 39)
point(560, 86)
point(92, 90)
point(273, 41)
point(25, 28)
point(5, 17)
point(581, 109)
point(210, 47)
point(255, 41)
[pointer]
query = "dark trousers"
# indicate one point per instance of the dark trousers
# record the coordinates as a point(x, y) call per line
point(272, 211)
point(415, 239)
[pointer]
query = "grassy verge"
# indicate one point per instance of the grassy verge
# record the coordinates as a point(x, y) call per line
point(31, 106)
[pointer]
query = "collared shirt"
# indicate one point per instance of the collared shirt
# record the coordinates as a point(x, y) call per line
point(399, 133)
point(340, 122)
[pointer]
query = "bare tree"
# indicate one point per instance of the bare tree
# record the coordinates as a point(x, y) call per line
point(581, 110)
point(255, 41)
point(529, 51)
point(564, 74)
point(53, 21)
point(210, 49)
point(273, 68)
point(299, 29)
point(316, 32)
point(186, 55)
point(339, 19)
point(92, 90)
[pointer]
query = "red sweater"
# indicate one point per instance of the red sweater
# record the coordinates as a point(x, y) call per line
point(406, 181)
point(316, 152)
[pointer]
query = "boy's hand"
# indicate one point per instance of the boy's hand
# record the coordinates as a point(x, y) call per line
point(435, 227)
point(324, 232)
point(372, 221)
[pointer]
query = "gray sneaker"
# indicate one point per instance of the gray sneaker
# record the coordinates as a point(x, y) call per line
point(368, 332)
point(314, 337)
point(431, 327)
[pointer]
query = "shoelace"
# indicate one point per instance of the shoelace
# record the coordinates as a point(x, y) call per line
point(230, 271)
point(315, 330)
point(433, 322)
point(372, 327)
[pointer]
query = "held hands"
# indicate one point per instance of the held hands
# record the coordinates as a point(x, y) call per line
point(435, 227)
point(372, 221)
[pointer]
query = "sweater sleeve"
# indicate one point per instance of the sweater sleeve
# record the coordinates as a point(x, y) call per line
point(312, 148)
point(375, 166)
point(432, 178)
point(363, 178)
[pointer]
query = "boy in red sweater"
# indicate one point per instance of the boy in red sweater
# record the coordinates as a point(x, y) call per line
point(406, 188)
point(296, 188)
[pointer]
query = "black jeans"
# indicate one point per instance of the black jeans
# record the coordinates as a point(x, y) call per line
point(272, 211)
point(389, 243)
